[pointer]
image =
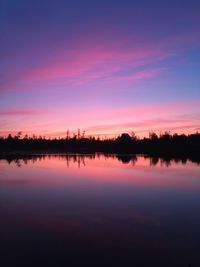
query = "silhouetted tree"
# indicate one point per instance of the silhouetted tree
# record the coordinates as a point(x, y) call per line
point(153, 136)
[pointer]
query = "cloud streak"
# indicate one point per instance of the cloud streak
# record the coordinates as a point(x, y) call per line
point(145, 74)
point(19, 113)
point(86, 64)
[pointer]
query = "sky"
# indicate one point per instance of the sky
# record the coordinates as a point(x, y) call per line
point(105, 67)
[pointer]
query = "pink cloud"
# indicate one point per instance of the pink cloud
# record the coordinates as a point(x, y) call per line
point(87, 60)
point(96, 63)
point(83, 65)
point(19, 112)
point(141, 75)
point(146, 125)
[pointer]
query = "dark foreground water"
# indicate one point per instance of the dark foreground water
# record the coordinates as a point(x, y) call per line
point(99, 211)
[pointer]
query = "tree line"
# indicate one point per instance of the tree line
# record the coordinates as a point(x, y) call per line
point(163, 144)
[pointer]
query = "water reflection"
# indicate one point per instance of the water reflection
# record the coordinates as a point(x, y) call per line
point(21, 160)
point(121, 210)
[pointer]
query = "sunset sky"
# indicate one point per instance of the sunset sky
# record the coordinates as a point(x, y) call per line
point(106, 67)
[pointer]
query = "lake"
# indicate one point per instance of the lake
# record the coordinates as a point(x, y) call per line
point(126, 210)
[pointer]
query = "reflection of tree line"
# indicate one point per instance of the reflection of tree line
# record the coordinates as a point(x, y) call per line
point(80, 159)
point(168, 161)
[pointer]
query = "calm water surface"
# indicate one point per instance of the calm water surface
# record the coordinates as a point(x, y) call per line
point(122, 210)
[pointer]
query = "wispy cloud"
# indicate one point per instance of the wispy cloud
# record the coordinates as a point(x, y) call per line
point(144, 124)
point(19, 112)
point(85, 64)
point(144, 74)
point(88, 61)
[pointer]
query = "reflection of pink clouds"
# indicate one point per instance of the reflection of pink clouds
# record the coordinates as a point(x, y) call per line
point(79, 171)
point(82, 225)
